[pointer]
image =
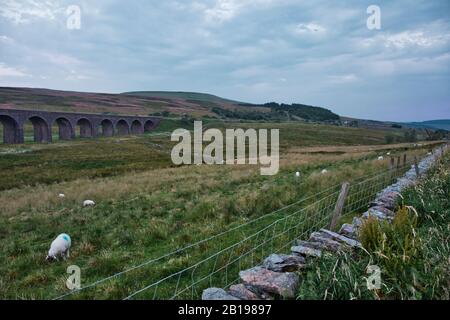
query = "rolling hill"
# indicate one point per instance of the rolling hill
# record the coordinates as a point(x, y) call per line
point(70, 101)
point(158, 103)
point(443, 124)
point(205, 97)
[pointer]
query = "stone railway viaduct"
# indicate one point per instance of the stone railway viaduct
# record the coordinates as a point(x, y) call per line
point(90, 125)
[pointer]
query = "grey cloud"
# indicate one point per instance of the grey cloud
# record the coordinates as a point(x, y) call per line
point(316, 52)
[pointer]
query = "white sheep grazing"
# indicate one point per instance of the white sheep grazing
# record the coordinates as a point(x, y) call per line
point(60, 247)
point(324, 171)
point(380, 158)
point(88, 203)
point(297, 174)
point(61, 195)
point(388, 154)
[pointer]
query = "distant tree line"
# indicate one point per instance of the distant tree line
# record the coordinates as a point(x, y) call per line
point(304, 111)
point(239, 114)
point(160, 114)
point(408, 136)
point(411, 135)
point(439, 134)
point(279, 112)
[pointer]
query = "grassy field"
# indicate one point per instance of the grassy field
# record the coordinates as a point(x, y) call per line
point(147, 207)
point(412, 252)
point(33, 164)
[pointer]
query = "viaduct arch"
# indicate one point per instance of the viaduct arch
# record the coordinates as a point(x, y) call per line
point(70, 125)
point(122, 127)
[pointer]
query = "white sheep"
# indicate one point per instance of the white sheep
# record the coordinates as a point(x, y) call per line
point(60, 247)
point(380, 158)
point(324, 171)
point(297, 174)
point(88, 203)
point(61, 195)
point(388, 154)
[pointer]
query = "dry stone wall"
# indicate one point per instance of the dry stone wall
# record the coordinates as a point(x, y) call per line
point(278, 276)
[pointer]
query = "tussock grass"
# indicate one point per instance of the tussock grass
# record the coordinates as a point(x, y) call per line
point(412, 252)
point(146, 208)
point(140, 216)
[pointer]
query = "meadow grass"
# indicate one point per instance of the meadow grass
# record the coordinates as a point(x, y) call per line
point(186, 206)
point(147, 207)
point(33, 164)
point(412, 252)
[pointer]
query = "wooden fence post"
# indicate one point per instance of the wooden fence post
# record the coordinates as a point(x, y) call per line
point(339, 205)
point(416, 166)
point(404, 159)
point(398, 162)
point(391, 164)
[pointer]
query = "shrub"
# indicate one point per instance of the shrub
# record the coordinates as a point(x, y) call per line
point(389, 139)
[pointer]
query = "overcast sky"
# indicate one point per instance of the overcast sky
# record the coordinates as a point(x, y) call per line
point(314, 52)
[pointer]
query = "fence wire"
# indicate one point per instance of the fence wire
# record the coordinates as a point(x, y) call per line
point(217, 260)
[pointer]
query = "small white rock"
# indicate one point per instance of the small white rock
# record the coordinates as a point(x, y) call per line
point(297, 174)
point(61, 195)
point(88, 203)
point(324, 171)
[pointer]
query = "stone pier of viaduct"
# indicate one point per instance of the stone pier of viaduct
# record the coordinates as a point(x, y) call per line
point(70, 125)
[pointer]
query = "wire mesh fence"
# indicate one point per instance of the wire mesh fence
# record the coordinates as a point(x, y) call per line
point(363, 191)
point(221, 268)
point(217, 260)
